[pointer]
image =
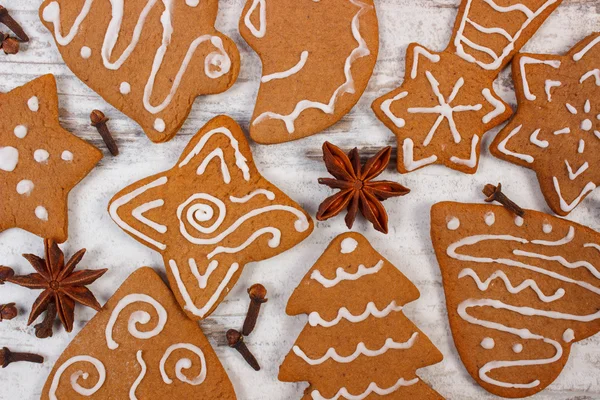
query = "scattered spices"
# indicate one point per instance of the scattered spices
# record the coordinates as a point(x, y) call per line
point(236, 341)
point(61, 285)
point(358, 191)
point(7, 357)
point(8, 20)
point(99, 121)
point(494, 193)
point(258, 294)
point(9, 44)
point(8, 311)
point(43, 330)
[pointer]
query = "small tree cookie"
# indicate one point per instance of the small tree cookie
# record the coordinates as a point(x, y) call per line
point(357, 342)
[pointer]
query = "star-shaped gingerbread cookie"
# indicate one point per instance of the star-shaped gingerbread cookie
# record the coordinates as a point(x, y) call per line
point(556, 131)
point(447, 102)
point(40, 162)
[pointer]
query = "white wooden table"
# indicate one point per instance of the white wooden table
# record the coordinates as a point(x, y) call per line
point(407, 245)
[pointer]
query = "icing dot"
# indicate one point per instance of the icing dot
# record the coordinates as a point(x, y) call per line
point(490, 218)
point(20, 131)
point(41, 155)
point(125, 88)
point(547, 228)
point(519, 221)
point(41, 213)
point(192, 3)
point(86, 52)
point(25, 187)
point(9, 157)
point(586, 125)
point(569, 335)
point(517, 348)
point(453, 223)
point(159, 125)
point(33, 104)
point(348, 245)
point(488, 343)
point(67, 155)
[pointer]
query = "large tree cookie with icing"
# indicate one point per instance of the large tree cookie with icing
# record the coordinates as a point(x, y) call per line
point(209, 215)
point(447, 101)
point(150, 59)
point(40, 162)
point(519, 292)
point(317, 59)
point(139, 346)
point(358, 344)
point(556, 131)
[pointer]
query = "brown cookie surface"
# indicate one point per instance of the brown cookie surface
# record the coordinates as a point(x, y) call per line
point(140, 345)
point(209, 215)
point(148, 59)
point(357, 343)
point(556, 131)
point(40, 162)
point(447, 101)
point(317, 59)
point(519, 292)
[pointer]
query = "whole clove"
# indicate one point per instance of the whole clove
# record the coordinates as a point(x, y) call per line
point(236, 341)
point(258, 294)
point(494, 193)
point(99, 121)
point(9, 44)
point(8, 311)
point(9, 21)
point(44, 329)
point(7, 357)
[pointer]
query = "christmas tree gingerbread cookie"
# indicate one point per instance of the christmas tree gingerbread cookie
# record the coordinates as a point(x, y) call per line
point(40, 162)
point(520, 291)
point(317, 58)
point(209, 215)
point(150, 59)
point(139, 346)
point(556, 131)
point(447, 102)
point(358, 344)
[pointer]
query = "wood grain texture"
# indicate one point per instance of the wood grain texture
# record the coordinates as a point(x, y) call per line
point(407, 246)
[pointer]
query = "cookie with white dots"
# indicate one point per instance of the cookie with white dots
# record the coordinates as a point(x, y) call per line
point(40, 162)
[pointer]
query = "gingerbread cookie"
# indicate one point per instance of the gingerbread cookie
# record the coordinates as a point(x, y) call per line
point(150, 59)
point(358, 344)
point(317, 57)
point(447, 102)
point(209, 215)
point(519, 292)
point(139, 346)
point(40, 162)
point(556, 131)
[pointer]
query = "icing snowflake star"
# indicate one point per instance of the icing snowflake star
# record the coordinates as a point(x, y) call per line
point(441, 111)
point(40, 162)
point(556, 131)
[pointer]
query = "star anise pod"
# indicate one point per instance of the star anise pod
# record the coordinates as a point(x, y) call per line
point(61, 285)
point(358, 191)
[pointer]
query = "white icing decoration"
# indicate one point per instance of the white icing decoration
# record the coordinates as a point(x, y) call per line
point(489, 218)
point(285, 74)
point(535, 140)
point(549, 85)
point(593, 73)
point(569, 335)
point(184, 363)
point(136, 317)
point(192, 3)
point(41, 213)
point(75, 377)
point(125, 88)
point(581, 147)
point(472, 161)
point(586, 125)
point(66, 156)
point(33, 104)
point(348, 245)
point(267, 193)
point(118, 203)
point(453, 224)
point(273, 243)
point(262, 30)
point(386, 108)
point(138, 213)
point(86, 52)
point(571, 109)
point(499, 106)
point(578, 56)
point(216, 153)
point(159, 125)
point(488, 343)
point(341, 275)
point(418, 50)
point(546, 227)
point(347, 87)
point(408, 157)
point(372, 388)
point(563, 131)
point(202, 279)
point(568, 207)
point(140, 377)
point(502, 147)
point(517, 348)
point(361, 349)
point(25, 187)
point(41, 155)
point(444, 109)
point(20, 131)
point(524, 61)
point(9, 158)
point(581, 170)
point(314, 319)
point(519, 221)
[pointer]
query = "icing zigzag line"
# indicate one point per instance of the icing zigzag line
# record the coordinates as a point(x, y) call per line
point(341, 275)
point(373, 388)
point(315, 319)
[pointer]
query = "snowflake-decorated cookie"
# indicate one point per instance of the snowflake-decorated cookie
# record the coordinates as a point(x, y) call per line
point(317, 58)
point(556, 131)
point(150, 59)
point(447, 102)
point(40, 162)
point(210, 215)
